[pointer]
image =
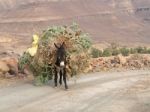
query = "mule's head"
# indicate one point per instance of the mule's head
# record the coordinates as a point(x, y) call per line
point(60, 55)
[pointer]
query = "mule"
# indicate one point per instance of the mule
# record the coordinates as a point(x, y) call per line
point(60, 65)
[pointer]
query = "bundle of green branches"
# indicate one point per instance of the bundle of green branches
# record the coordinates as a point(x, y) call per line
point(77, 45)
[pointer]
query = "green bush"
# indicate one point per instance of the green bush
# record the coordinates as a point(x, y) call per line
point(141, 50)
point(148, 51)
point(115, 52)
point(133, 50)
point(96, 53)
point(107, 52)
point(125, 51)
point(145, 50)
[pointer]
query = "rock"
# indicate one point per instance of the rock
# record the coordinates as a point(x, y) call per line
point(88, 69)
point(130, 62)
point(4, 68)
point(146, 61)
point(100, 61)
point(122, 59)
point(147, 58)
point(7, 75)
point(104, 69)
point(136, 64)
point(12, 63)
point(117, 65)
point(116, 60)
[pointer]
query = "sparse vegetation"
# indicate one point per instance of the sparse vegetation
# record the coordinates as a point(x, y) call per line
point(141, 50)
point(115, 52)
point(96, 53)
point(107, 52)
point(133, 50)
point(148, 51)
point(115, 49)
point(125, 51)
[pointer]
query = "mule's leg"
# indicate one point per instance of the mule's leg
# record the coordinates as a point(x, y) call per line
point(64, 78)
point(60, 80)
point(55, 77)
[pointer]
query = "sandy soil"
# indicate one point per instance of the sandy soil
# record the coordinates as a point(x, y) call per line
point(98, 92)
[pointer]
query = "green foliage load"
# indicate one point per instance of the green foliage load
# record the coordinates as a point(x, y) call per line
point(77, 44)
point(24, 61)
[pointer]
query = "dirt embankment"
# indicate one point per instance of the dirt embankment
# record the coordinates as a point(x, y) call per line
point(132, 62)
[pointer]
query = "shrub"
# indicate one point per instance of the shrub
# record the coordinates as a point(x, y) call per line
point(133, 50)
point(107, 52)
point(141, 50)
point(148, 51)
point(115, 52)
point(96, 53)
point(124, 51)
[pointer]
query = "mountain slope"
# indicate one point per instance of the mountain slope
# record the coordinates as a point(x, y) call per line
point(125, 21)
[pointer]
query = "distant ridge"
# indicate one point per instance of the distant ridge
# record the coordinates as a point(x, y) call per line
point(125, 21)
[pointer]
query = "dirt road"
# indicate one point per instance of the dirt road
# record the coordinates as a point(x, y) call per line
point(100, 92)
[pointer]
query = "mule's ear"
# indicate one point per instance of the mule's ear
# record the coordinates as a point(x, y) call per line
point(56, 45)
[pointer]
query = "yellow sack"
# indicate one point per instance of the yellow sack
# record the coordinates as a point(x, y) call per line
point(35, 39)
point(32, 51)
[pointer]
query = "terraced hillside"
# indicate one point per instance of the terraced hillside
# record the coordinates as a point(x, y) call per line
point(124, 21)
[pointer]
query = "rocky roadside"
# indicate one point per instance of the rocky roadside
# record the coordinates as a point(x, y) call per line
point(9, 72)
point(9, 66)
point(132, 62)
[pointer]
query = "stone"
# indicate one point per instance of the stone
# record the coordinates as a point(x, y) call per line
point(4, 68)
point(12, 63)
point(122, 59)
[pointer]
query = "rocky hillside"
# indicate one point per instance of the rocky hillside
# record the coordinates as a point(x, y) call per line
point(124, 21)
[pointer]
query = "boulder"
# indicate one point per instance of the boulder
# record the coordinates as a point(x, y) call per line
point(12, 64)
point(122, 59)
point(3, 67)
point(146, 61)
